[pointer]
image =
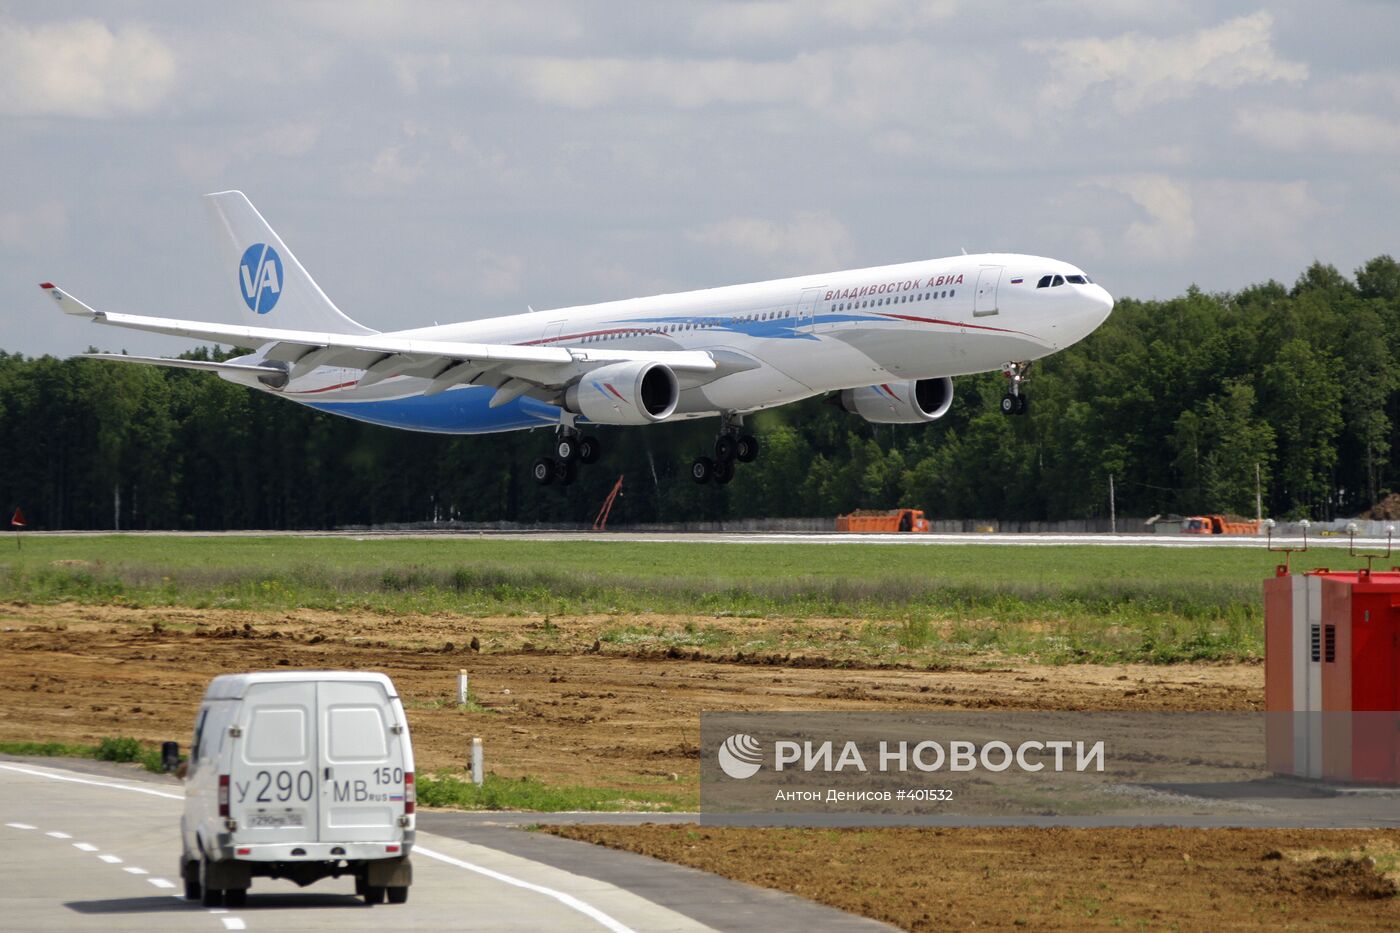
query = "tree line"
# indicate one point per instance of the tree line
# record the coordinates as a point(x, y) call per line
point(1195, 404)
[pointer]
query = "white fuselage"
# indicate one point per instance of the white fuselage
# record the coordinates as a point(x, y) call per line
point(786, 339)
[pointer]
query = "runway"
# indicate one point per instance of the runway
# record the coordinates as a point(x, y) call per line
point(825, 538)
point(92, 851)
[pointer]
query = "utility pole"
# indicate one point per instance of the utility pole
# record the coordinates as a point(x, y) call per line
point(1112, 509)
point(1258, 496)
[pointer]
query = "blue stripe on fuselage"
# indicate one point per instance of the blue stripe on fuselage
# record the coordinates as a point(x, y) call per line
point(464, 410)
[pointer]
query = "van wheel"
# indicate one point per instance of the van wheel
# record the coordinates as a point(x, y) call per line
point(209, 897)
point(236, 897)
point(374, 894)
point(398, 895)
point(189, 871)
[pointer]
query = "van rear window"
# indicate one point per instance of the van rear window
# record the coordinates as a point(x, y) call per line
point(276, 734)
point(357, 734)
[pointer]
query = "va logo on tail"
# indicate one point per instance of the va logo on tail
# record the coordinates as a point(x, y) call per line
point(260, 277)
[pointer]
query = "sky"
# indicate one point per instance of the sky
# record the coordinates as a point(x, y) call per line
point(433, 162)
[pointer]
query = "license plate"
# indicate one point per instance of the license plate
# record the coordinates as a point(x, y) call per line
point(275, 821)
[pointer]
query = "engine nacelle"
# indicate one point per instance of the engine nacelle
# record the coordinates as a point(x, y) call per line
point(913, 402)
point(625, 393)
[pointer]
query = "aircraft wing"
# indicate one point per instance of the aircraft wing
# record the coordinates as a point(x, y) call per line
point(511, 368)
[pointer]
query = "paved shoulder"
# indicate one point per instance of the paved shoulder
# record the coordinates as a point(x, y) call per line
point(705, 898)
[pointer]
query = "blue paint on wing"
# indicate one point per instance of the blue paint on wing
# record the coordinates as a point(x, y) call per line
point(464, 410)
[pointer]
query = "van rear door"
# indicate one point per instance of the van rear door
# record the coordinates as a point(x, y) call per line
point(362, 761)
point(274, 793)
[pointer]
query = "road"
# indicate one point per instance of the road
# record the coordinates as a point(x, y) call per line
point(92, 851)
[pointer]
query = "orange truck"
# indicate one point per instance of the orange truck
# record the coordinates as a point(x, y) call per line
point(892, 520)
point(1217, 525)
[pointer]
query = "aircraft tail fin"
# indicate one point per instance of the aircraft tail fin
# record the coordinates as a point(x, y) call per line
point(273, 289)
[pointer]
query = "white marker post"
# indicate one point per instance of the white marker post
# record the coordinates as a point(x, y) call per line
point(462, 688)
point(478, 773)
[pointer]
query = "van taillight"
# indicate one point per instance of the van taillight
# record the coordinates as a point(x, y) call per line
point(223, 795)
point(410, 793)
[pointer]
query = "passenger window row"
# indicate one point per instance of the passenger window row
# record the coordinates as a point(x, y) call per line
point(688, 326)
point(896, 300)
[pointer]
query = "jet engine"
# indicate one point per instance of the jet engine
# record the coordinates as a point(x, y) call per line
point(625, 393)
point(913, 402)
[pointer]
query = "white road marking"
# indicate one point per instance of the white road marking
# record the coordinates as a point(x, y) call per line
point(59, 777)
point(20, 826)
point(110, 859)
point(58, 835)
point(85, 847)
point(132, 869)
point(233, 923)
point(568, 900)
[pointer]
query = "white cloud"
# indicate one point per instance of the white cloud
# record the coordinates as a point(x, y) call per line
point(1142, 70)
point(1339, 131)
point(81, 68)
point(1169, 231)
point(207, 162)
point(811, 241)
point(1235, 214)
point(765, 21)
point(39, 230)
point(586, 83)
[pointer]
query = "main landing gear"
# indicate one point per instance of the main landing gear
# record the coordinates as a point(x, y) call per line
point(731, 447)
point(1014, 402)
point(570, 450)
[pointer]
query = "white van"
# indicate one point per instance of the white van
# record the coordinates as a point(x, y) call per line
point(301, 775)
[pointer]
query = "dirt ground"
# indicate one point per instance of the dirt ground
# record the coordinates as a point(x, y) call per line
point(934, 879)
point(580, 712)
point(554, 702)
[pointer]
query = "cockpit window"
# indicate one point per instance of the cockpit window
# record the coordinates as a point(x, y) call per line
point(1044, 281)
point(1058, 280)
point(1077, 279)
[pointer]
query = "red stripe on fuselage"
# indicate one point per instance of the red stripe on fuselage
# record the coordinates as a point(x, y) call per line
point(934, 320)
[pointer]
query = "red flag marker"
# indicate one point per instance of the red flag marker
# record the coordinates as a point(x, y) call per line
point(17, 520)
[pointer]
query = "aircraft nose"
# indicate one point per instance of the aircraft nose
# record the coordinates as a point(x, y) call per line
point(1103, 303)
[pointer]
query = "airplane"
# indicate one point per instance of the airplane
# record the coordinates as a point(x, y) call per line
point(886, 341)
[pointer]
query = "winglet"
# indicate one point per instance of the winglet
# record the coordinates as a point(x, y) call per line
point(68, 304)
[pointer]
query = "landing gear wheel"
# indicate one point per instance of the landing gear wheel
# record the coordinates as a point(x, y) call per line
point(209, 897)
point(564, 472)
point(1008, 404)
point(724, 448)
point(543, 471)
point(1021, 404)
point(398, 895)
point(374, 894)
point(236, 897)
point(746, 448)
point(565, 448)
point(702, 470)
point(724, 472)
point(589, 449)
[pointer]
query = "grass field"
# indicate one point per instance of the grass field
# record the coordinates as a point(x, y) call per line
point(1056, 604)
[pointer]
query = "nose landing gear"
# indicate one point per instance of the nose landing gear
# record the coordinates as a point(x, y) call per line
point(731, 447)
point(1014, 402)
